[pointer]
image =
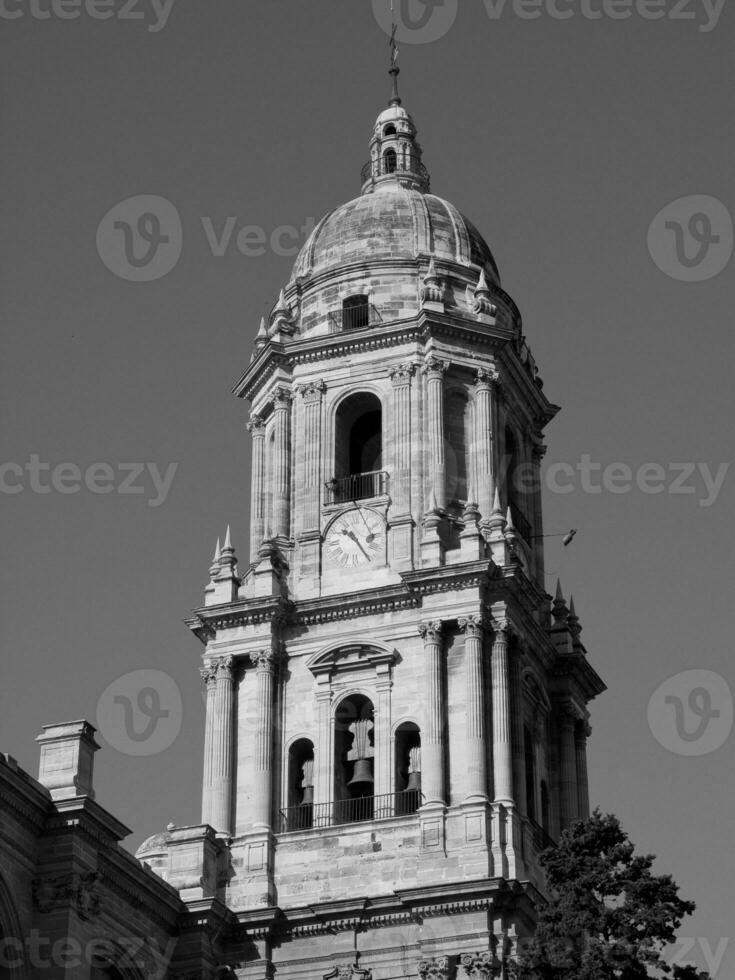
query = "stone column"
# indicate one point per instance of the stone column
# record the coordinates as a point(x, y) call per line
point(432, 737)
point(502, 763)
point(475, 746)
point(311, 451)
point(323, 750)
point(209, 676)
point(282, 462)
point(401, 490)
point(567, 769)
point(581, 734)
point(483, 469)
point(256, 427)
point(383, 755)
point(434, 370)
point(265, 668)
point(222, 747)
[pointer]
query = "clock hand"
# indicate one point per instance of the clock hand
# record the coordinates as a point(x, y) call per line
point(370, 536)
point(351, 534)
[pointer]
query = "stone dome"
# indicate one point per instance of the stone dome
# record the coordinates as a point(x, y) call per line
point(394, 222)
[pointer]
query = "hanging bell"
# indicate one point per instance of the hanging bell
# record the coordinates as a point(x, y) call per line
point(414, 781)
point(363, 772)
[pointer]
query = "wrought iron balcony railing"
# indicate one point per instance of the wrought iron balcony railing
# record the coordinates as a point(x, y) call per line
point(313, 816)
point(359, 486)
point(355, 317)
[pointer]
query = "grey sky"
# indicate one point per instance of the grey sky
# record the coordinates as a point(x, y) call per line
point(561, 140)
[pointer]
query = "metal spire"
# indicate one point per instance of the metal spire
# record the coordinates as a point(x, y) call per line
point(395, 71)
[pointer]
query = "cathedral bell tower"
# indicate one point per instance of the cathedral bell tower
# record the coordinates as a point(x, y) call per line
point(396, 710)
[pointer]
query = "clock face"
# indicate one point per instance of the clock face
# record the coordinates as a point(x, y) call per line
point(356, 538)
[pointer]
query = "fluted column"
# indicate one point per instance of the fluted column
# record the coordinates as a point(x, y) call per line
point(581, 734)
point(281, 463)
point(567, 770)
point(265, 668)
point(256, 427)
point(432, 737)
point(475, 745)
point(401, 490)
point(312, 395)
point(502, 761)
point(483, 470)
point(435, 370)
point(209, 676)
point(222, 747)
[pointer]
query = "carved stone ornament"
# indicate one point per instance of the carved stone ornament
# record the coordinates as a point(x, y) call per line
point(432, 287)
point(223, 666)
point(471, 625)
point(402, 374)
point(73, 890)
point(345, 971)
point(208, 673)
point(312, 392)
point(435, 368)
point(439, 968)
point(480, 966)
point(256, 425)
point(265, 659)
point(431, 632)
point(282, 398)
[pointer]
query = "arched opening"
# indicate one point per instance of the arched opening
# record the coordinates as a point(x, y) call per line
point(358, 451)
point(545, 806)
point(390, 161)
point(407, 768)
point(354, 754)
point(356, 312)
point(457, 440)
point(390, 130)
point(300, 810)
point(530, 772)
point(513, 485)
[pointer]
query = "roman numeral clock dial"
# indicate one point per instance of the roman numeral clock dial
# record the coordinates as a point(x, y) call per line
point(356, 539)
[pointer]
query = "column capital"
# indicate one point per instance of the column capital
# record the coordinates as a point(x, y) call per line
point(480, 966)
point(224, 667)
point(265, 660)
point(282, 397)
point(431, 632)
point(486, 379)
point(313, 391)
point(439, 968)
point(582, 730)
point(473, 626)
point(256, 425)
point(435, 368)
point(502, 626)
point(401, 374)
point(208, 674)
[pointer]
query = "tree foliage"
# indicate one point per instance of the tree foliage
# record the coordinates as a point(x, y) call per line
point(608, 916)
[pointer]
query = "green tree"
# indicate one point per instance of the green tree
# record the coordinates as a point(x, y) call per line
point(608, 916)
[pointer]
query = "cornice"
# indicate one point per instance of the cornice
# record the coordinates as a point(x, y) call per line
point(128, 877)
point(400, 907)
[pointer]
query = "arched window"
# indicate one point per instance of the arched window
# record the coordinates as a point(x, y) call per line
point(300, 785)
point(457, 438)
point(390, 130)
point(358, 451)
point(354, 753)
point(545, 806)
point(356, 312)
point(407, 768)
point(390, 161)
point(514, 485)
point(530, 773)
